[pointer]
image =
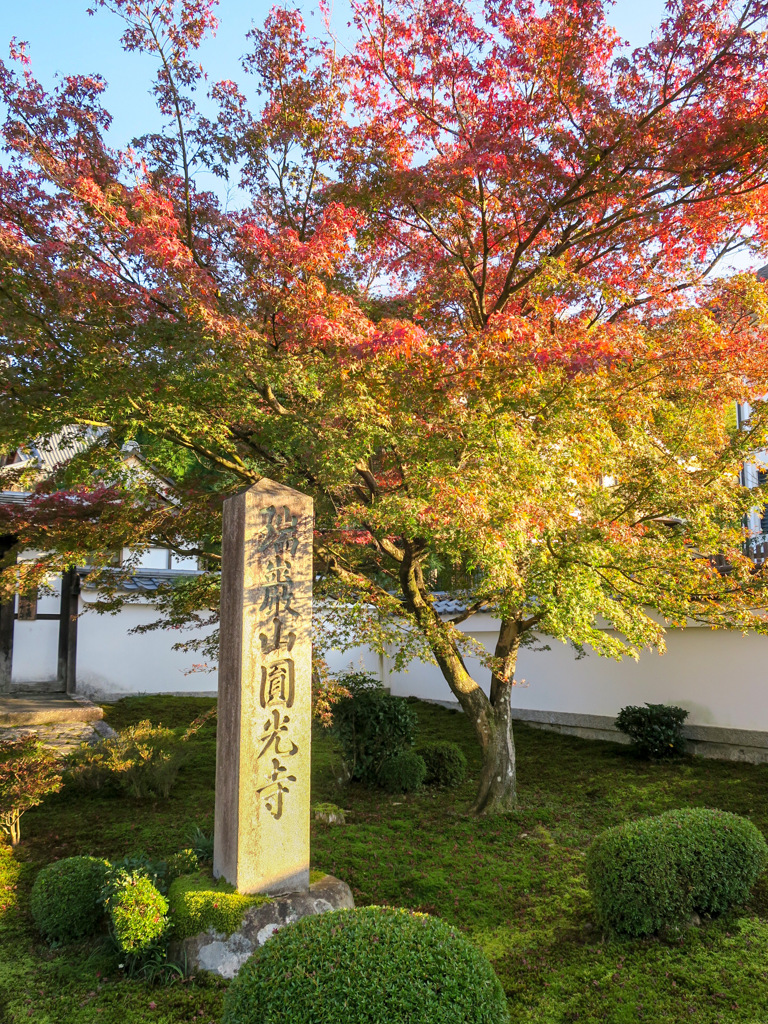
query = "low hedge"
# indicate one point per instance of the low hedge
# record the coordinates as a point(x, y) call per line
point(371, 725)
point(197, 902)
point(446, 764)
point(403, 772)
point(654, 873)
point(66, 898)
point(371, 964)
point(655, 730)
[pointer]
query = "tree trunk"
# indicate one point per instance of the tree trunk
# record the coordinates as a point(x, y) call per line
point(498, 779)
point(497, 792)
point(491, 717)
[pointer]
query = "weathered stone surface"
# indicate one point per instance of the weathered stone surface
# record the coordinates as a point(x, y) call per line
point(331, 817)
point(60, 738)
point(57, 720)
point(103, 731)
point(225, 955)
point(261, 834)
point(46, 709)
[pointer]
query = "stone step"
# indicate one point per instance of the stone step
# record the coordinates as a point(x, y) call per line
point(40, 686)
point(23, 709)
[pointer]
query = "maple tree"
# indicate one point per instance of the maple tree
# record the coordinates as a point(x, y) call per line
point(464, 290)
point(28, 773)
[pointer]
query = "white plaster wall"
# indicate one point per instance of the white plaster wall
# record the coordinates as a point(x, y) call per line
point(147, 558)
point(426, 681)
point(720, 677)
point(35, 652)
point(111, 660)
point(159, 558)
point(356, 659)
point(186, 562)
point(36, 644)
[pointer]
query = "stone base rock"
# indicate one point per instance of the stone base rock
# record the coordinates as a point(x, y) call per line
point(58, 720)
point(213, 951)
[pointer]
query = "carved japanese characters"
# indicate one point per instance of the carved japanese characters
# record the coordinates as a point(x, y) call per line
point(262, 769)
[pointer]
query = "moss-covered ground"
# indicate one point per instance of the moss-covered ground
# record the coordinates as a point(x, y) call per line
point(514, 885)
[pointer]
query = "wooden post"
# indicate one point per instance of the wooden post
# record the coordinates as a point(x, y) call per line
point(6, 625)
point(67, 664)
point(261, 836)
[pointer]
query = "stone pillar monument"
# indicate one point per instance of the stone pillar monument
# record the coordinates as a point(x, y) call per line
point(261, 838)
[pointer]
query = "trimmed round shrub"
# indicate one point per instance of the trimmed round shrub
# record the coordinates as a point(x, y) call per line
point(371, 964)
point(66, 898)
point(403, 773)
point(446, 764)
point(654, 873)
point(137, 911)
point(329, 813)
point(371, 726)
point(656, 730)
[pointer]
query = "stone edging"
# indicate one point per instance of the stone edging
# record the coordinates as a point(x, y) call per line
point(710, 741)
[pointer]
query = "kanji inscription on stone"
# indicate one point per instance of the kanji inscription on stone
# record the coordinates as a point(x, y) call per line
point(261, 841)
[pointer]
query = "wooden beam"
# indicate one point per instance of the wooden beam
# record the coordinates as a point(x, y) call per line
point(72, 646)
point(67, 665)
point(6, 623)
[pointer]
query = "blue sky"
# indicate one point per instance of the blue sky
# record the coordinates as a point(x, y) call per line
point(63, 38)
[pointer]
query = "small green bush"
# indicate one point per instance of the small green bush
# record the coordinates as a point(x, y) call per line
point(364, 965)
point(66, 898)
point(185, 862)
point(371, 725)
point(140, 864)
point(160, 872)
point(141, 761)
point(403, 773)
point(446, 764)
point(197, 902)
point(656, 730)
point(137, 911)
point(654, 873)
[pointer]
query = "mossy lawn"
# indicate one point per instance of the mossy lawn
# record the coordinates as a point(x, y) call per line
point(514, 885)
